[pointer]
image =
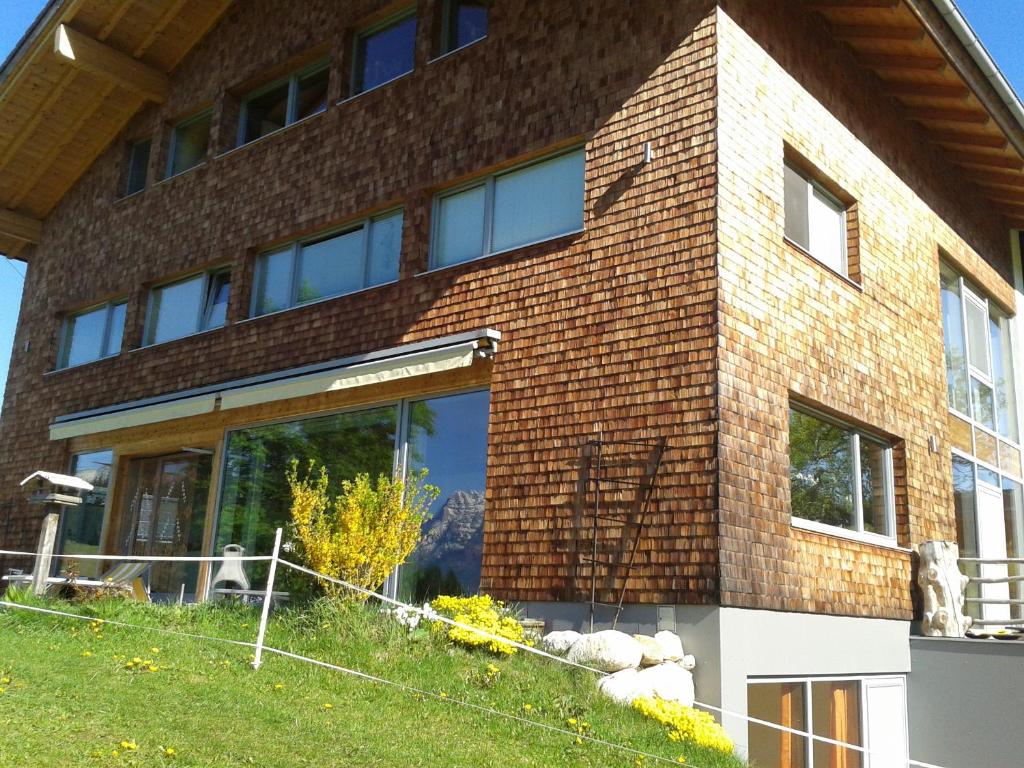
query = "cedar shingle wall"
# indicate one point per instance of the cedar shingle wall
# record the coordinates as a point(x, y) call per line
point(872, 353)
point(612, 328)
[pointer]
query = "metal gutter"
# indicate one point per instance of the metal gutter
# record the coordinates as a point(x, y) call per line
point(962, 29)
point(25, 43)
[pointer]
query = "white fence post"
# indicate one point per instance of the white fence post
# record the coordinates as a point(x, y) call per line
point(266, 601)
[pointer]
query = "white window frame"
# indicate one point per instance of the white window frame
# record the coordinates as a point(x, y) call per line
point(488, 183)
point(65, 340)
point(888, 478)
point(173, 144)
point(863, 682)
point(814, 187)
point(205, 306)
point(291, 110)
point(360, 37)
point(294, 250)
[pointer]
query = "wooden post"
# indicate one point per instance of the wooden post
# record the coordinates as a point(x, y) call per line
point(44, 552)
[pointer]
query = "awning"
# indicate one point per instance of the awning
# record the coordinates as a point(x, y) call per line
point(419, 359)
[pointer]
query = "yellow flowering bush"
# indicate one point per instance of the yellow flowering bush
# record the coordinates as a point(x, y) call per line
point(364, 533)
point(479, 612)
point(685, 723)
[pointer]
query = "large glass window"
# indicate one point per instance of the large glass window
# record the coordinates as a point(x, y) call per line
point(385, 52)
point(839, 476)
point(462, 22)
point(815, 220)
point(82, 526)
point(838, 710)
point(195, 304)
point(284, 102)
point(956, 345)
point(361, 256)
point(91, 335)
point(525, 205)
point(446, 435)
point(189, 142)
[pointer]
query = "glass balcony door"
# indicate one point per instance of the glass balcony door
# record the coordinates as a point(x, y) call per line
point(992, 546)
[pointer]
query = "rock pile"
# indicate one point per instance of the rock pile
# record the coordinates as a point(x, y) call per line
point(638, 666)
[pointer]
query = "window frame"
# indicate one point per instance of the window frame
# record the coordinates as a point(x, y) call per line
point(815, 186)
point(370, 30)
point(64, 348)
point(205, 306)
point(294, 250)
point(888, 478)
point(169, 172)
point(291, 108)
point(487, 182)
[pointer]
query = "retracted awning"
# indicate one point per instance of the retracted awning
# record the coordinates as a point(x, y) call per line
point(420, 359)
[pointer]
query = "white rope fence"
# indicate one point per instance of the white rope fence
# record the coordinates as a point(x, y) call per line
point(260, 647)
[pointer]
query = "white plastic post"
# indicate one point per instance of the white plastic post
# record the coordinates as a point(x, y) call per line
point(267, 597)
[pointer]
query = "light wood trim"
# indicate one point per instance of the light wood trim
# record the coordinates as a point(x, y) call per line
point(215, 9)
point(113, 65)
point(209, 529)
point(114, 20)
point(172, 11)
point(991, 161)
point(851, 4)
point(20, 226)
point(786, 721)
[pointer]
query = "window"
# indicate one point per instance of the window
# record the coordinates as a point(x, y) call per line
point(462, 22)
point(860, 712)
point(188, 306)
point(284, 102)
point(979, 362)
point(138, 166)
point(447, 435)
point(189, 141)
point(839, 477)
point(525, 205)
point(384, 52)
point(92, 335)
point(360, 256)
point(815, 220)
point(82, 526)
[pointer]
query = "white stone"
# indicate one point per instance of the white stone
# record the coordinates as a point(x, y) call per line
point(688, 662)
point(620, 686)
point(942, 586)
point(671, 645)
point(559, 642)
point(651, 648)
point(666, 681)
point(607, 651)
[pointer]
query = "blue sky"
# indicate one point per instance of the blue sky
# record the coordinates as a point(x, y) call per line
point(999, 24)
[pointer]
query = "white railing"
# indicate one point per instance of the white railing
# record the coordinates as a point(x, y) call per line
point(1002, 585)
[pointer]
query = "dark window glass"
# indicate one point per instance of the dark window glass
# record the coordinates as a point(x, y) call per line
point(188, 144)
point(312, 94)
point(82, 525)
point(384, 54)
point(266, 113)
point(464, 22)
point(138, 164)
point(963, 506)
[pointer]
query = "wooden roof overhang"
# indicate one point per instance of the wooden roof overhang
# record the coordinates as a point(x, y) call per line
point(72, 84)
point(917, 49)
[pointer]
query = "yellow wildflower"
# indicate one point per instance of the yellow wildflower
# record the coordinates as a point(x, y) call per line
point(443, 695)
point(571, 721)
point(527, 707)
point(680, 759)
point(154, 650)
point(170, 752)
point(86, 654)
point(278, 686)
point(328, 705)
point(153, 668)
point(131, 746)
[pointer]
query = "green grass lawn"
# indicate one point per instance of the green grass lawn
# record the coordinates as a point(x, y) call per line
point(71, 698)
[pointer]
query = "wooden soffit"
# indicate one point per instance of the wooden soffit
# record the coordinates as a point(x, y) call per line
point(72, 84)
point(922, 64)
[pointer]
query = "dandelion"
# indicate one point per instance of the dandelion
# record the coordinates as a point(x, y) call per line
point(278, 686)
point(2, 691)
point(680, 759)
point(443, 695)
point(571, 721)
point(170, 752)
point(154, 650)
point(328, 705)
point(153, 668)
point(86, 654)
point(528, 707)
point(131, 746)
point(114, 753)
point(5, 680)
point(579, 740)
point(136, 660)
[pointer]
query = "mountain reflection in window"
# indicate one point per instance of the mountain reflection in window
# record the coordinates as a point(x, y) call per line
point(448, 435)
